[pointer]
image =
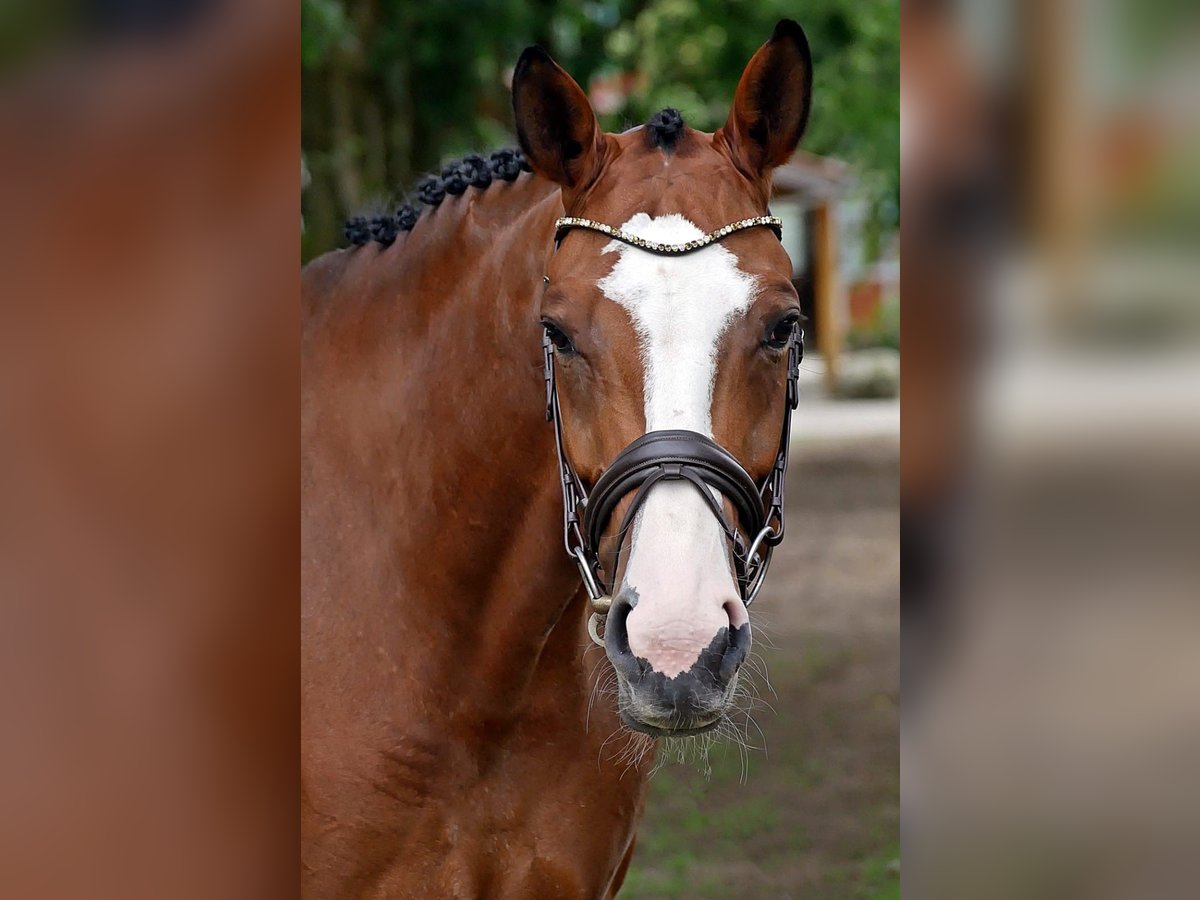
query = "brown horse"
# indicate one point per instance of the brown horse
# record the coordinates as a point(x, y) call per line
point(452, 744)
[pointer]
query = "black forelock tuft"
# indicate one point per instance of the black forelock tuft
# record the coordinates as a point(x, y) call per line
point(472, 170)
point(665, 128)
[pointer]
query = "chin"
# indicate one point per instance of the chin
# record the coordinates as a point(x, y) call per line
point(673, 727)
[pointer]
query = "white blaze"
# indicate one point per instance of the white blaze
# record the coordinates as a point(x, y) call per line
point(680, 307)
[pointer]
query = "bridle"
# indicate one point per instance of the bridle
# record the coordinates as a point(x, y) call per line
point(673, 455)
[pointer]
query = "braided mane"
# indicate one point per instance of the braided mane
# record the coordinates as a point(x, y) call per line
point(663, 130)
point(470, 171)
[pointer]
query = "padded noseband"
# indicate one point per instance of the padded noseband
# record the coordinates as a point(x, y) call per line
point(673, 456)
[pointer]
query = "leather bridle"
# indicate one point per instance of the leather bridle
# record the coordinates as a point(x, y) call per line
point(673, 455)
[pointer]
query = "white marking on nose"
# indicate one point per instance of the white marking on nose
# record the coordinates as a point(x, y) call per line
point(680, 306)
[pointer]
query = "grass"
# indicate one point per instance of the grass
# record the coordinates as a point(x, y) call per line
point(703, 836)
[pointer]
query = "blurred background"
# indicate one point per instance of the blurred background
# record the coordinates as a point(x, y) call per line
point(391, 90)
point(1051, 604)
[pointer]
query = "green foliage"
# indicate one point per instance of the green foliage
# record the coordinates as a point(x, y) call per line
point(323, 26)
point(691, 53)
point(392, 87)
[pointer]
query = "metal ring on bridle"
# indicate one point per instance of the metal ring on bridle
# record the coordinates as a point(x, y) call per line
point(760, 573)
point(594, 621)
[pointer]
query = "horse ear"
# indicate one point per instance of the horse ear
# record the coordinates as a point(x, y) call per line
point(556, 127)
point(770, 108)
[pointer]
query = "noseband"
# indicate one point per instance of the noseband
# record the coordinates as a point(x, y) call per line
point(673, 455)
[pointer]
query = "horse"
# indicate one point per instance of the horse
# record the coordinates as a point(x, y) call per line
point(457, 740)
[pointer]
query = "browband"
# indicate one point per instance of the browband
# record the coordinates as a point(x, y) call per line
point(566, 223)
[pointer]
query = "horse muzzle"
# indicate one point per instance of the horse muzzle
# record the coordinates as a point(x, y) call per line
point(692, 700)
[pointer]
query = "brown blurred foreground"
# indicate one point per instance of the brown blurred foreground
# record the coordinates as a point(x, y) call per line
point(148, 501)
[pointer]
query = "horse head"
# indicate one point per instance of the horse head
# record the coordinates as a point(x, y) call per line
point(671, 328)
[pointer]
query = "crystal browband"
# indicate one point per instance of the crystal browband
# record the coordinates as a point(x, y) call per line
point(566, 223)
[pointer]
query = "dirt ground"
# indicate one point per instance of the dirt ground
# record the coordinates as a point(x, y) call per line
point(814, 811)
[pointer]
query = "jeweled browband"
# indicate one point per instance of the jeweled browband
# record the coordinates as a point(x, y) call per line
point(566, 223)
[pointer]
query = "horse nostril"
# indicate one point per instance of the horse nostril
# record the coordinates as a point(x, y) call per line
point(737, 646)
point(616, 637)
point(738, 615)
point(646, 650)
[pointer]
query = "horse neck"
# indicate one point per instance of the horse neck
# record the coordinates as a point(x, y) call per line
point(465, 459)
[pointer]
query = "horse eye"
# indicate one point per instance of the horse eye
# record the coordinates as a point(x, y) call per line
point(782, 332)
point(558, 338)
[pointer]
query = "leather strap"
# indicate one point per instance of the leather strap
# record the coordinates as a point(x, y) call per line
point(668, 455)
